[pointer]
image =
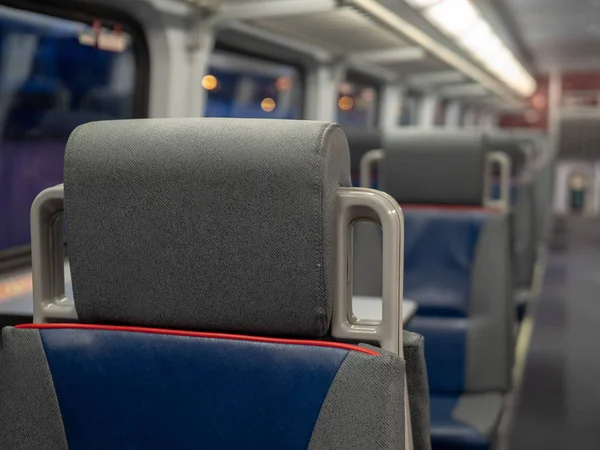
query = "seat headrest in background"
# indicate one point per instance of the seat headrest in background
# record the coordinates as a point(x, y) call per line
point(514, 147)
point(361, 141)
point(539, 139)
point(205, 224)
point(433, 166)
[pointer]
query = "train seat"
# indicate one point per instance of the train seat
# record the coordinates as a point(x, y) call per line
point(455, 270)
point(458, 268)
point(524, 218)
point(188, 239)
point(468, 421)
point(525, 212)
point(524, 241)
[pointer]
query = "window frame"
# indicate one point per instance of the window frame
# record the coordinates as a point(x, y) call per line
point(87, 12)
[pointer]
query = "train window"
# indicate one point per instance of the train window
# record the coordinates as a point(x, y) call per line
point(241, 86)
point(55, 74)
point(357, 105)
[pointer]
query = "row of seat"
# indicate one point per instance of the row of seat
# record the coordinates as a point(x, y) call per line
point(470, 255)
point(209, 263)
point(209, 267)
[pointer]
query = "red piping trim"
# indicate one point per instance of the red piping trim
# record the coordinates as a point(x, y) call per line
point(237, 337)
point(408, 207)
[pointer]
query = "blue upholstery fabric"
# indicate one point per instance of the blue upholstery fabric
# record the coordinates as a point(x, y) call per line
point(356, 180)
point(439, 249)
point(448, 433)
point(495, 194)
point(134, 390)
point(445, 351)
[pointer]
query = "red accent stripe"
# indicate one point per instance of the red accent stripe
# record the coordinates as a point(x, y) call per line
point(238, 337)
point(408, 207)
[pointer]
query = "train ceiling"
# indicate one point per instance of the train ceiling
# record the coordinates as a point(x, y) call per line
point(392, 38)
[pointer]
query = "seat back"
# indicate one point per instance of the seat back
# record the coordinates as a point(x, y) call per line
point(189, 239)
point(524, 212)
point(544, 194)
point(458, 265)
point(524, 218)
point(458, 269)
point(543, 179)
point(367, 241)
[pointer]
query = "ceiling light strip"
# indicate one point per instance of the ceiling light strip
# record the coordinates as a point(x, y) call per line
point(409, 31)
point(463, 23)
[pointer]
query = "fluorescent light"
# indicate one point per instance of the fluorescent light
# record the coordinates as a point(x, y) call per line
point(460, 20)
point(453, 16)
point(422, 3)
point(481, 40)
point(501, 61)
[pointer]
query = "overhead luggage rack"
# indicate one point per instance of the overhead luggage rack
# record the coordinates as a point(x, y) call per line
point(356, 32)
point(417, 66)
point(340, 31)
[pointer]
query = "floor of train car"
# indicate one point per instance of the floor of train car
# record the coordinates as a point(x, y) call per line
point(559, 398)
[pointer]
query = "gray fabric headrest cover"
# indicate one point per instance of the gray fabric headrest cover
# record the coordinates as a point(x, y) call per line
point(433, 167)
point(205, 224)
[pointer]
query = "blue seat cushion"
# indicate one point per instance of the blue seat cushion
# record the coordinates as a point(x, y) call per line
point(445, 351)
point(440, 244)
point(467, 422)
point(120, 387)
point(495, 192)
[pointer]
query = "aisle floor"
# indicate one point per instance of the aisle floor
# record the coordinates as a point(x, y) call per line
point(559, 400)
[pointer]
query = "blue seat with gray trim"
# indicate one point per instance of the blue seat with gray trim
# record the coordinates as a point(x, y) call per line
point(188, 239)
point(458, 268)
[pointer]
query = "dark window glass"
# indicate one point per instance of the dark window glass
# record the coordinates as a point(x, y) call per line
point(55, 74)
point(357, 105)
point(240, 86)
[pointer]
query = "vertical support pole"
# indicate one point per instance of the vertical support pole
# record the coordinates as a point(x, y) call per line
point(201, 44)
point(452, 114)
point(390, 105)
point(322, 90)
point(428, 110)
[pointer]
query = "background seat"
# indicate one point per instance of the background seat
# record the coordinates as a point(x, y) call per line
point(466, 421)
point(525, 212)
point(458, 268)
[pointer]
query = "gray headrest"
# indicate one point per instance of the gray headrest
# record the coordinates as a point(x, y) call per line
point(434, 166)
point(205, 224)
point(360, 141)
